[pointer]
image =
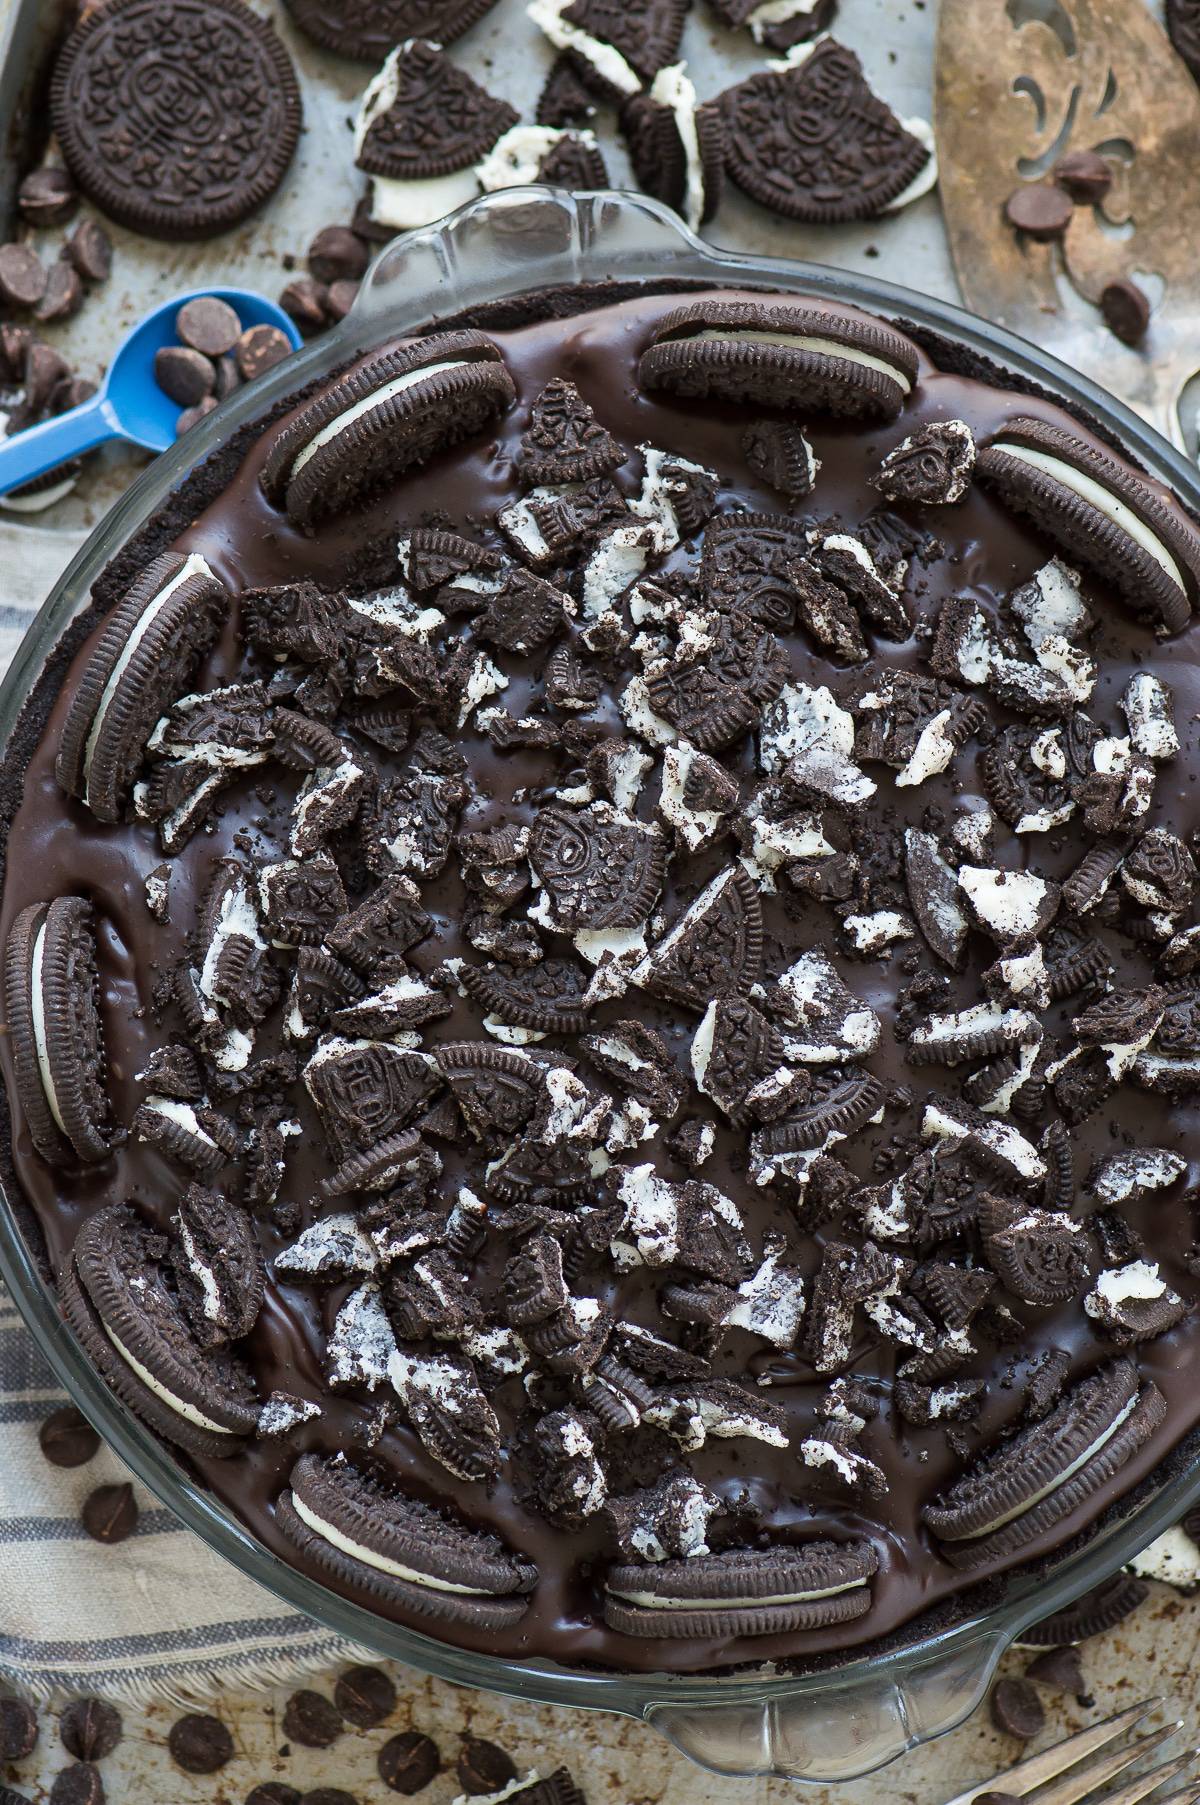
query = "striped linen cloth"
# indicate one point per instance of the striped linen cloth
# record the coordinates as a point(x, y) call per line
point(159, 1614)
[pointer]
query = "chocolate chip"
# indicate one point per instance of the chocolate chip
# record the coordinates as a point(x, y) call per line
point(311, 1719)
point(305, 301)
point(90, 1728)
point(110, 1513)
point(191, 416)
point(261, 348)
point(184, 375)
point(64, 293)
point(67, 1439)
point(200, 1744)
point(336, 254)
point(484, 1766)
point(18, 1729)
point(79, 1784)
point(1016, 1708)
point(1126, 310)
point(22, 276)
point(1039, 210)
point(1085, 175)
point(273, 1792)
point(408, 1762)
point(44, 369)
point(1059, 1668)
point(90, 250)
point(209, 325)
point(364, 1696)
point(342, 296)
point(71, 391)
point(229, 377)
point(47, 197)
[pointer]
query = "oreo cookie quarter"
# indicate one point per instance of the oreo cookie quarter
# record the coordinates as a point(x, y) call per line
point(743, 1592)
point(1102, 511)
point(1019, 1489)
point(781, 355)
point(423, 124)
point(394, 410)
point(368, 29)
point(142, 661)
point(51, 1005)
point(177, 117)
point(372, 1536)
point(676, 146)
point(119, 1299)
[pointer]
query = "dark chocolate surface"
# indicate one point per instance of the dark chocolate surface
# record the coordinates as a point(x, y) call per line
point(55, 846)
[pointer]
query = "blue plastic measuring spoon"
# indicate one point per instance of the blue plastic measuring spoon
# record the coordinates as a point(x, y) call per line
point(129, 403)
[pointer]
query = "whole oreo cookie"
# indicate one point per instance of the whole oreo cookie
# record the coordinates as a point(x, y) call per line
point(370, 1535)
point(1101, 511)
point(51, 1006)
point(177, 117)
point(120, 1301)
point(368, 29)
point(141, 662)
point(813, 141)
point(676, 146)
point(1015, 1492)
point(782, 354)
point(395, 409)
point(743, 1592)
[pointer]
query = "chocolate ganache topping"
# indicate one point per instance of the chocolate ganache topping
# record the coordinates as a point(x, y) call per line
point(602, 982)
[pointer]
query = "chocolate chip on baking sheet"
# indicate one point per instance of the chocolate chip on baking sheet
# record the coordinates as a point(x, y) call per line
point(200, 1743)
point(90, 1728)
point(408, 1762)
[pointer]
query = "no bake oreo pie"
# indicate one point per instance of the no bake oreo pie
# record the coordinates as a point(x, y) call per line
point(602, 976)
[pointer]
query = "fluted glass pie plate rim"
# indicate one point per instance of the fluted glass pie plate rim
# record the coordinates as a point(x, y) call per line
point(830, 1724)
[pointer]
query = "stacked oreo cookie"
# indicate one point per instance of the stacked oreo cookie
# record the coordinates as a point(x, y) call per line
point(601, 971)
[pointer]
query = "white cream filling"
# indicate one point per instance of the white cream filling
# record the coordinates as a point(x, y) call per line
point(672, 88)
point(516, 157)
point(802, 341)
point(407, 205)
point(188, 1411)
point(397, 1569)
point(1027, 1504)
point(777, 12)
point(653, 1601)
point(375, 399)
point(37, 1005)
point(40, 499)
point(1110, 505)
point(605, 59)
point(193, 565)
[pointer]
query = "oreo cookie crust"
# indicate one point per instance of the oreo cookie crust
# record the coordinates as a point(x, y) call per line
point(395, 409)
point(369, 29)
point(1101, 511)
point(781, 355)
point(141, 662)
point(207, 82)
point(389, 1545)
point(51, 1007)
point(642, 965)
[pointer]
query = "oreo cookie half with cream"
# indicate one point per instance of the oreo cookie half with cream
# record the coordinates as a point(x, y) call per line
point(782, 354)
point(1100, 510)
point(676, 146)
point(542, 153)
point(121, 1300)
point(614, 47)
point(142, 661)
point(422, 125)
point(1015, 1492)
point(391, 411)
point(372, 1536)
point(743, 1592)
point(51, 1007)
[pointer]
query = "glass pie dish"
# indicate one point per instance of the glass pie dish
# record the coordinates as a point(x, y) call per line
point(842, 1720)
